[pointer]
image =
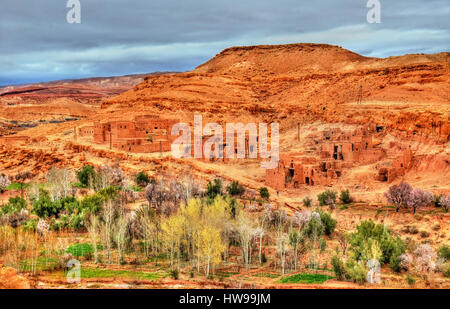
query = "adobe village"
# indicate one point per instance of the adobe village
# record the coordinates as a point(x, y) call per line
point(359, 197)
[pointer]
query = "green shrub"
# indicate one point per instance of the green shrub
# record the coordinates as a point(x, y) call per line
point(315, 227)
point(93, 203)
point(30, 225)
point(392, 247)
point(14, 205)
point(410, 280)
point(307, 201)
point(235, 189)
point(444, 253)
point(446, 270)
point(85, 175)
point(69, 203)
point(356, 271)
point(328, 222)
point(437, 200)
point(44, 207)
point(264, 193)
point(175, 273)
point(424, 234)
point(325, 196)
point(338, 267)
point(345, 197)
point(142, 179)
point(214, 188)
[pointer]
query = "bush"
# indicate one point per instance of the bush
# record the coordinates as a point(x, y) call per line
point(264, 193)
point(444, 253)
point(328, 222)
point(356, 271)
point(446, 271)
point(392, 247)
point(175, 273)
point(315, 227)
point(85, 175)
point(326, 197)
point(70, 204)
point(214, 188)
point(338, 268)
point(410, 280)
point(345, 197)
point(44, 207)
point(437, 200)
point(14, 205)
point(307, 201)
point(424, 234)
point(30, 225)
point(235, 189)
point(142, 179)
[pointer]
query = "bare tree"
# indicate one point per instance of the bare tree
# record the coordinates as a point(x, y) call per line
point(282, 242)
point(418, 198)
point(4, 183)
point(109, 215)
point(60, 183)
point(121, 236)
point(93, 229)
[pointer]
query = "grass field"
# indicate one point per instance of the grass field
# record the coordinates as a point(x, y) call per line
point(305, 278)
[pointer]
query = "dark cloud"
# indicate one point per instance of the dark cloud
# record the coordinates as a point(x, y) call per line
point(123, 37)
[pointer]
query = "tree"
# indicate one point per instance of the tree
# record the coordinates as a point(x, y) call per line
point(282, 242)
point(173, 232)
point(4, 183)
point(264, 193)
point(93, 229)
point(345, 197)
point(307, 201)
point(86, 175)
point(60, 183)
point(422, 260)
point(21, 178)
point(418, 198)
point(235, 189)
point(142, 179)
point(211, 246)
point(245, 231)
point(121, 236)
point(44, 207)
point(109, 216)
point(296, 238)
point(398, 195)
point(445, 202)
point(108, 176)
point(214, 188)
point(327, 197)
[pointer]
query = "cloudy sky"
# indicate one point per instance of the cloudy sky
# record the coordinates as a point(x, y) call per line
point(118, 37)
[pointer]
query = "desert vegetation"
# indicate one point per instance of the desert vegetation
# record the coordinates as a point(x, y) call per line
point(171, 229)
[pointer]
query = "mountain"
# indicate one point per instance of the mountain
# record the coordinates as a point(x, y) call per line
point(303, 83)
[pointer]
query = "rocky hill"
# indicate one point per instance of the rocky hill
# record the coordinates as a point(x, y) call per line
point(303, 83)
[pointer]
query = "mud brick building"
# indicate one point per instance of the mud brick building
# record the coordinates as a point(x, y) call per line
point(86, 131)
point(338, 150)
point(398, 168)
point(147, 133)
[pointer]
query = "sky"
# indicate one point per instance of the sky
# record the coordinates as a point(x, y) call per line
point(119, 37)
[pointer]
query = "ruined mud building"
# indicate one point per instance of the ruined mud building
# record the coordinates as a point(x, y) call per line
point(148, 133)
point(337, 150)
